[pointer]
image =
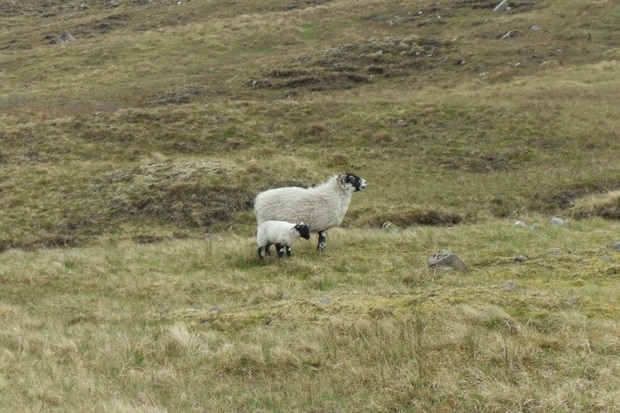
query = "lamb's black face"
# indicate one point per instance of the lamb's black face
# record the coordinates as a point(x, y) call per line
point(358, 183)
point(304, 230)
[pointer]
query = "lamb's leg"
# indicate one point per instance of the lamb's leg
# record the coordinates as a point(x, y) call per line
point(288, 251)
point(321, 245)
point(268, 249)
point(280, 250)
point(260, 252)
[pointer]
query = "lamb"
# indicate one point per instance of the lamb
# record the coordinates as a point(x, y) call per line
point(281, 233)
point(321, 207)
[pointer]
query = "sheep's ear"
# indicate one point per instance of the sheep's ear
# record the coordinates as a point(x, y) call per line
point(342, 181)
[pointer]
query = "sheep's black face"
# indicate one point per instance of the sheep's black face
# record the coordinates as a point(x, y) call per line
point(304, 230)
point(358, 183)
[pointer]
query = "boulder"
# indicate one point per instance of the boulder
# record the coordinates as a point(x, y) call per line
point(446, 258)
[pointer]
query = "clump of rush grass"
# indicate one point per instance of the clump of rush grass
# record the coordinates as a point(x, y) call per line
point(601, 205)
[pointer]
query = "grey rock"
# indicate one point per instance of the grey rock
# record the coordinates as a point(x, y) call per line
point(502, 6)
point(446, 258)
point(557, 221)
point(509, 286)
point(66, 37)
point(616, 246)
point(520, 258)
point(508, 34)
point(520, 223)
point(535, 28)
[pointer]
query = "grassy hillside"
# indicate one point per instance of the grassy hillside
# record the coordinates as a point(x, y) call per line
point(164, 119)
point(139, 146)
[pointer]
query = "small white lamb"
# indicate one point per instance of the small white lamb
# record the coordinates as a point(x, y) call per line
point(280, 233)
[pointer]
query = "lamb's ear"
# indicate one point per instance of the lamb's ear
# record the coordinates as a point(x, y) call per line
point(342, 181)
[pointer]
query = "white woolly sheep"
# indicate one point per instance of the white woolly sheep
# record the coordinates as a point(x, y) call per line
point(321, 207)
point(280, 233)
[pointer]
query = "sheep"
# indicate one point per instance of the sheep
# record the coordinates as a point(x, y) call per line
point(321, 207)
point(281, 233)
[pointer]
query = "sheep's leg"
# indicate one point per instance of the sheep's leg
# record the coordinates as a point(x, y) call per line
point(280, 250)
point(260, 252)
point(321, 245)
point(268, 249)
point(288, 251)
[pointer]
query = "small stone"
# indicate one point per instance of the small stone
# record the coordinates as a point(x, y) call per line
point(520, 223)
point(616, 246)
point(508, 34)
point(535, 28)
point(571, 300)
point(520, 258)
point(66, 37)
point(389, 227)
point(502, 6)
point(557, 221)
point(446, 258)
point(509, 286)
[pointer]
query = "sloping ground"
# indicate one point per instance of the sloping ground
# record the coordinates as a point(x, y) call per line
point(448, 122)
point(349, 65)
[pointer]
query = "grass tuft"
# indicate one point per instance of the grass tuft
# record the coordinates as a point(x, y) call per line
point(604, 205)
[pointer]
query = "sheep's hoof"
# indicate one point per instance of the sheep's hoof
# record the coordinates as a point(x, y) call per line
point(321, 246)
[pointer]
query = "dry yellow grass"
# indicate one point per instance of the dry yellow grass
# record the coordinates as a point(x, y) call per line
point(193, 325)
point(604, 205)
